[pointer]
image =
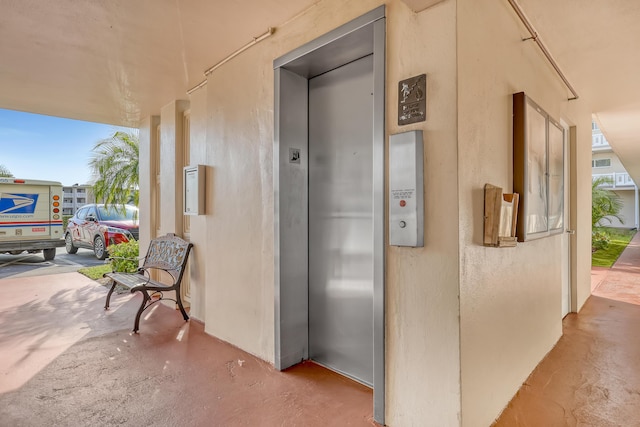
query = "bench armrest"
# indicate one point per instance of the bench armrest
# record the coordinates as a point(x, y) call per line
point(125, 258)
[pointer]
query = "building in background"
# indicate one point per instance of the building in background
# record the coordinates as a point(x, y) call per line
point(604, 162)
point(76, 196)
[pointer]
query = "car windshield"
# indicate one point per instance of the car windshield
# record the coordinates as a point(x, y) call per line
point(117, 213)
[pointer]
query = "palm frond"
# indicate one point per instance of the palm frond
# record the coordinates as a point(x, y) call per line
point(115, 169)
point(605, 204)
point(4, 171)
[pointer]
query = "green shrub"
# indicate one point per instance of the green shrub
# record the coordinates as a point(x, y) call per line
point(599, 239)
point(65, 221)
point(124, 257)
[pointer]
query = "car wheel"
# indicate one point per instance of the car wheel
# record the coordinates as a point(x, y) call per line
point(68, 244)
point(99, 248)
point(49, 254)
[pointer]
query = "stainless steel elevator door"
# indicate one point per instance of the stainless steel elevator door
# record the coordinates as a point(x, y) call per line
point(341, 219)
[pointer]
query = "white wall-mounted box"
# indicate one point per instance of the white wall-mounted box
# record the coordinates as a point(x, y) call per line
point(406, 205)
point(193, 181)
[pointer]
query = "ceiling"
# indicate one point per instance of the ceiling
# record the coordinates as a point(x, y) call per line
point(597, 45)
point(117, 61)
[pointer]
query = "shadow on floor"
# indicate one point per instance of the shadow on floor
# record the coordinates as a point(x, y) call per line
point(66, 362)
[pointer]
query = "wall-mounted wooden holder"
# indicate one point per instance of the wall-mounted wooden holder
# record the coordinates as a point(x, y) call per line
point(500, 217)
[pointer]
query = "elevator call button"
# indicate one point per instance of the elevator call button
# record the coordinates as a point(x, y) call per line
point(406, 211)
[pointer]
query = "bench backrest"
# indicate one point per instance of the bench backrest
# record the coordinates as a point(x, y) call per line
point(169, 253)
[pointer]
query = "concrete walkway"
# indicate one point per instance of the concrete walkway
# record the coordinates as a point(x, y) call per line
point(592, 376)
point(65, 361)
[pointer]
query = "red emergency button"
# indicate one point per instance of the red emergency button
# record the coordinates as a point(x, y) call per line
point(403, 203)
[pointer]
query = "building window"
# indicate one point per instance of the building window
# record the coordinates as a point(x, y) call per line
point(80, 190)
point(82, 200)
point(601, 163)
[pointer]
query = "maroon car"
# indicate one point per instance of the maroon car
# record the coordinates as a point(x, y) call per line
point(98, 226)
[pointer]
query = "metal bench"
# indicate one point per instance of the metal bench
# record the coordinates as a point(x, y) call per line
point(168, 253)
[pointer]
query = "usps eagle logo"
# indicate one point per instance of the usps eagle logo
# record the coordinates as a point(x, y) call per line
point(18, 203)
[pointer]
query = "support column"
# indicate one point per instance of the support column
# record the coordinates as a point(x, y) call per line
point(148, 145)
point(635, 204)
point(171, 140)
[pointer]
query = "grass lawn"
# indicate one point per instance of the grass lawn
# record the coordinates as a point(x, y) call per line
point(95, 272)
point(619, 240)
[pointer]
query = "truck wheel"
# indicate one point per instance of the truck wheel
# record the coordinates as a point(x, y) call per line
point(68, 244)
point(49, 254)
point(99, 248)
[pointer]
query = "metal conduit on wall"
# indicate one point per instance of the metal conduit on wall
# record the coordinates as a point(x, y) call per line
point(536, 37)
point(210, 70)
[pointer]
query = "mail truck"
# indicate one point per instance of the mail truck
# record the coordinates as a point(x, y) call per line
point(30, 216)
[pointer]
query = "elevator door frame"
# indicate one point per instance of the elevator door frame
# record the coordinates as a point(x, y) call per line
point(361, 37)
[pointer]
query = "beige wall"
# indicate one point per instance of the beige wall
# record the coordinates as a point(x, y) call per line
point(616, 164)
point(627, 195)
point(465, 324)
point(148, 146)
point(422, 284)
point(628, 212)
point(171, 119)
point(581, 203)
point(239, 228)
point(198, 156)
point(509, 297)
point(422, 291)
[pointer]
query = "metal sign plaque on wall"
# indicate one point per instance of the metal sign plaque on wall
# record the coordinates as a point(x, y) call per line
point(412, 100)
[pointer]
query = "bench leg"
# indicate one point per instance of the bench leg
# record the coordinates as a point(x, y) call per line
point(182, 310)
point(145, 299)
point(113, 286)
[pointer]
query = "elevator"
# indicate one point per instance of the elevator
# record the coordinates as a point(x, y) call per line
point(329, 203)
point(341, 219)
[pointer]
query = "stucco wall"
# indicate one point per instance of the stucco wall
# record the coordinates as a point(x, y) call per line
point(200, 254)
point(422, 291)
point(171, 148)
point(616, 164)
point(148, 149)
point(509, 297)
point(628, 212)
point(463, 321)
point(581, 205)
point(626, 194)
point(422, 284)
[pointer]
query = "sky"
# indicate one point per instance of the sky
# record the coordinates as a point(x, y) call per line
point(48, 148)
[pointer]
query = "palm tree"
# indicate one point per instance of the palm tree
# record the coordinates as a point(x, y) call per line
point(5, 172)
point(115, 169)
point(605, 204)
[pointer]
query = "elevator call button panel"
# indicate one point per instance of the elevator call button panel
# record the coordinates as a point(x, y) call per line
point(406, 184)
